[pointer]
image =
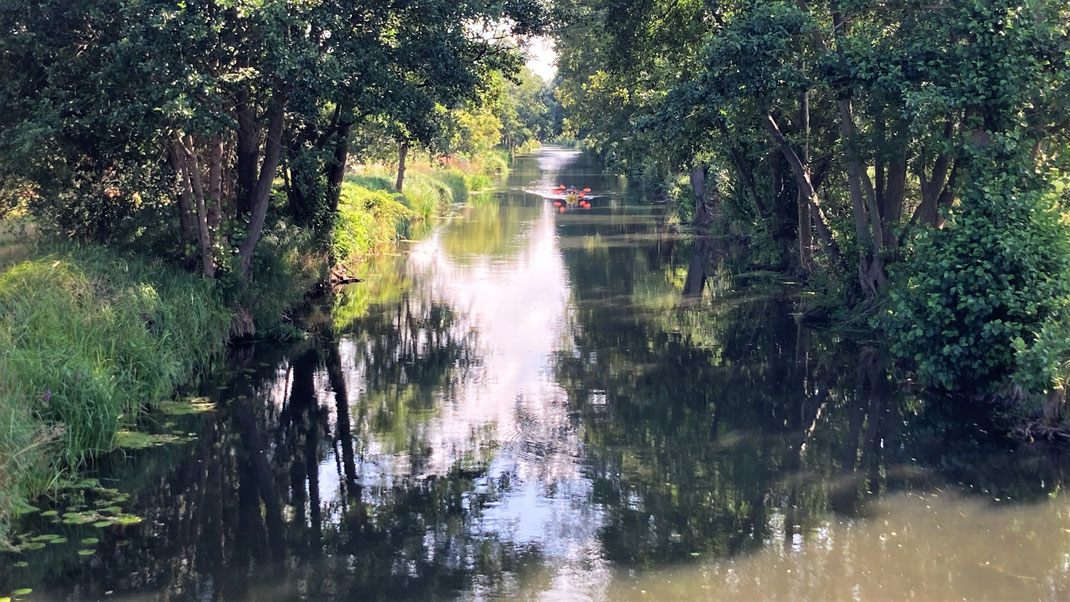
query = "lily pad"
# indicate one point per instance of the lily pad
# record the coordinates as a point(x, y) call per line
point(137, 440)
point(58, 540)
point(22, 592)
point(33, 545)
point(77, 520)
point(126, 519)
point(103, 523)
point(196, 405)
point(21, 564)
point(87, 552)
point(49, 513)
point(90, 541)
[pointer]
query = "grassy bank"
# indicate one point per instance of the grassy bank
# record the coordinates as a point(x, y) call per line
point(373, 216)
point(89, 338)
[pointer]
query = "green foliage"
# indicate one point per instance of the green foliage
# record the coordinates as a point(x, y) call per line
point(454, 180)
point(371, 181)
point(285, 269)
point(682, 197)
point(1041, 364)
point(977, 295)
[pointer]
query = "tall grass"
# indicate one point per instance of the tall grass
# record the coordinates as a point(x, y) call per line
point(89, 338)
point(367, 221)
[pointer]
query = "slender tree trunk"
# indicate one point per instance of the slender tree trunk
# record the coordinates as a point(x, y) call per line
point(806, 235)
point(215, 184)
point(248, 156)
point(703, 216)
point(191, 170)
point(947, 195)
point(272, 152)
point(185, 196)
point(863, 202)
point(932, 187)
point(337, 170)
point(894, 195)
point(403, 152)
point(802, 180)
point(746, 172)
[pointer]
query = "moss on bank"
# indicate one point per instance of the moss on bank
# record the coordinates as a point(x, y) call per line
point(90, 337)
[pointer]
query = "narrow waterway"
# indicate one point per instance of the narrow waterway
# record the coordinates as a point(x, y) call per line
point(539, 404)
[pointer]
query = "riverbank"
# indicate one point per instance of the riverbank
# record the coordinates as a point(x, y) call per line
point(92, 338)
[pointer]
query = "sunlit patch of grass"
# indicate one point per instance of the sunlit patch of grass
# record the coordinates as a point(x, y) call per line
point(367, 221)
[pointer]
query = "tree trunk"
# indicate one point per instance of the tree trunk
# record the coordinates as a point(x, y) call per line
point(337, 170)
point(1053, 405)
point(403, 152)
point(806, 235)
point(185, 197)
point(947, 195)
point(894, 192)
point(746, 173)
point(802, 179)
point(248, 156)
point(870, 231)
point(194, 191)
point(703, 217)
point(272, 152)
point(215, 184)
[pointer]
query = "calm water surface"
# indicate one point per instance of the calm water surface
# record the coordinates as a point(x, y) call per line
point(569, 406)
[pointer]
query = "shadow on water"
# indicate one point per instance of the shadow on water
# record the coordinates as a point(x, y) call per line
point(576, 405)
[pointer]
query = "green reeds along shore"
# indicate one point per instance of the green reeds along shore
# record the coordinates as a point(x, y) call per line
point(89, 338)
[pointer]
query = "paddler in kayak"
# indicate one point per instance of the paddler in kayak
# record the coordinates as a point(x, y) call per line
point(573, 196)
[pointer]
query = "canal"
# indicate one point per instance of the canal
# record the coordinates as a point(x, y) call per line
point(579, 404)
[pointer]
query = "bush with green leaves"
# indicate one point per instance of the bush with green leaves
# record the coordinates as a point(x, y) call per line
point(972, 300)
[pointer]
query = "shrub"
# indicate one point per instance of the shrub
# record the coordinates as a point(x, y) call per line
point(454, 180)
point(975, 296)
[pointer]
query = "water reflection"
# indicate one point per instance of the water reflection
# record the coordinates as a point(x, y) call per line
point(571, 406)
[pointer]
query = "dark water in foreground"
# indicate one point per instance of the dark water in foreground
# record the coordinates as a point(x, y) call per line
point(527, 405)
